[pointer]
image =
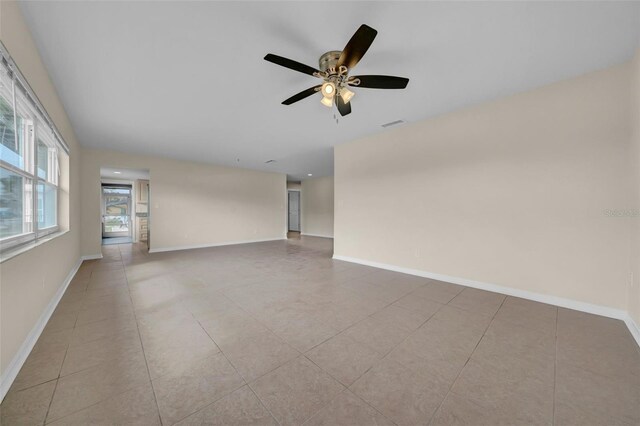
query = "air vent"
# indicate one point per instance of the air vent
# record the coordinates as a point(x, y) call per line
point(269, 161)
point(393, 123)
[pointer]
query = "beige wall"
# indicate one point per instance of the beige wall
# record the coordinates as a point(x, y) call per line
point(510, 193)
point(29, 281)
point(294, 185)
point(317, 207)
point(634, 289)
point(191, 204)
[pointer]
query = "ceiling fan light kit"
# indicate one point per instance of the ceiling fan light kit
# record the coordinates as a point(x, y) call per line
point(327, 101)
point(329, 89)
point(346, 95)
point(334, 67)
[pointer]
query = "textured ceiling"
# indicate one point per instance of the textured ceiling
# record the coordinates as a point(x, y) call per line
point(187, 80)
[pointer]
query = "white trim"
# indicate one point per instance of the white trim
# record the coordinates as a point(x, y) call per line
point(316, 235)
point(23, 248)
point(633, 328)
point(604, 311)
point(92, 256)
point(19, 359)
point(229, 243)
point(286, 210)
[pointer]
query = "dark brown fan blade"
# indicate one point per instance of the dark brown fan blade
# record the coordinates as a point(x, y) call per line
point(380, 82)
point(300, 96)
point(291, 64)
point(343, 108)
point(357, 46)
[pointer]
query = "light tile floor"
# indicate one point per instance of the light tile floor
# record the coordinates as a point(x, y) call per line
point(278, 333)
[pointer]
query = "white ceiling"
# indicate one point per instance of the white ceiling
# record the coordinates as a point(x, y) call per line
point(187, 79)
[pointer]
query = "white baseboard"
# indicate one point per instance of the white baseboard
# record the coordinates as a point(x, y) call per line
point(19, 359)
point(316, 235)
point(229, 243)
point(92, 256)
point(604, 311)
point(633, 328)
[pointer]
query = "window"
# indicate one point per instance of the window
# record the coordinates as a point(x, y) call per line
point(29, 163)
point(12, 148)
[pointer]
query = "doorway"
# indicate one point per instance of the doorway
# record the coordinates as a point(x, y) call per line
point(294, 211)
point(116, 214)
point(124, 206)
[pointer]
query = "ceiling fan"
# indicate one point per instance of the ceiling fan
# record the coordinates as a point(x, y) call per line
point(334, 68)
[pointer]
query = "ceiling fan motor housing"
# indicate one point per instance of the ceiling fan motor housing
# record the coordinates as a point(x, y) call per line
point(329, 61)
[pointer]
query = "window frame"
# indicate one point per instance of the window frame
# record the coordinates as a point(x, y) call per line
point(8, 243)
point(43, 131)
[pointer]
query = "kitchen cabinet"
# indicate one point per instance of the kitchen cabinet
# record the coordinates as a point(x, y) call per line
point(143, 191)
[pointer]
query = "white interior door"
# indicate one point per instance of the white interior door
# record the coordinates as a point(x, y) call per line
point(294, 211)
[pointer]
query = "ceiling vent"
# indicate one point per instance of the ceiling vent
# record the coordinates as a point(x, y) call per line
point(393, 123)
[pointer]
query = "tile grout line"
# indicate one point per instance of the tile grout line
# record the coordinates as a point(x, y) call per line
point(299, 352)
point(468, 359)
point(246, 383)
point(60, 376)
point(85, 369)
point(237, 372)
point(71, 374)
point(346, 389)
point(371, 316)
point(263, 404)
point(33, 386)
point(57, 379)
point(54, 391)
point(337, 396)
point(369, 405)
point(382, 356)
point(403, 340)
point(409, 335)
point(267, 328)
point(144, 355)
